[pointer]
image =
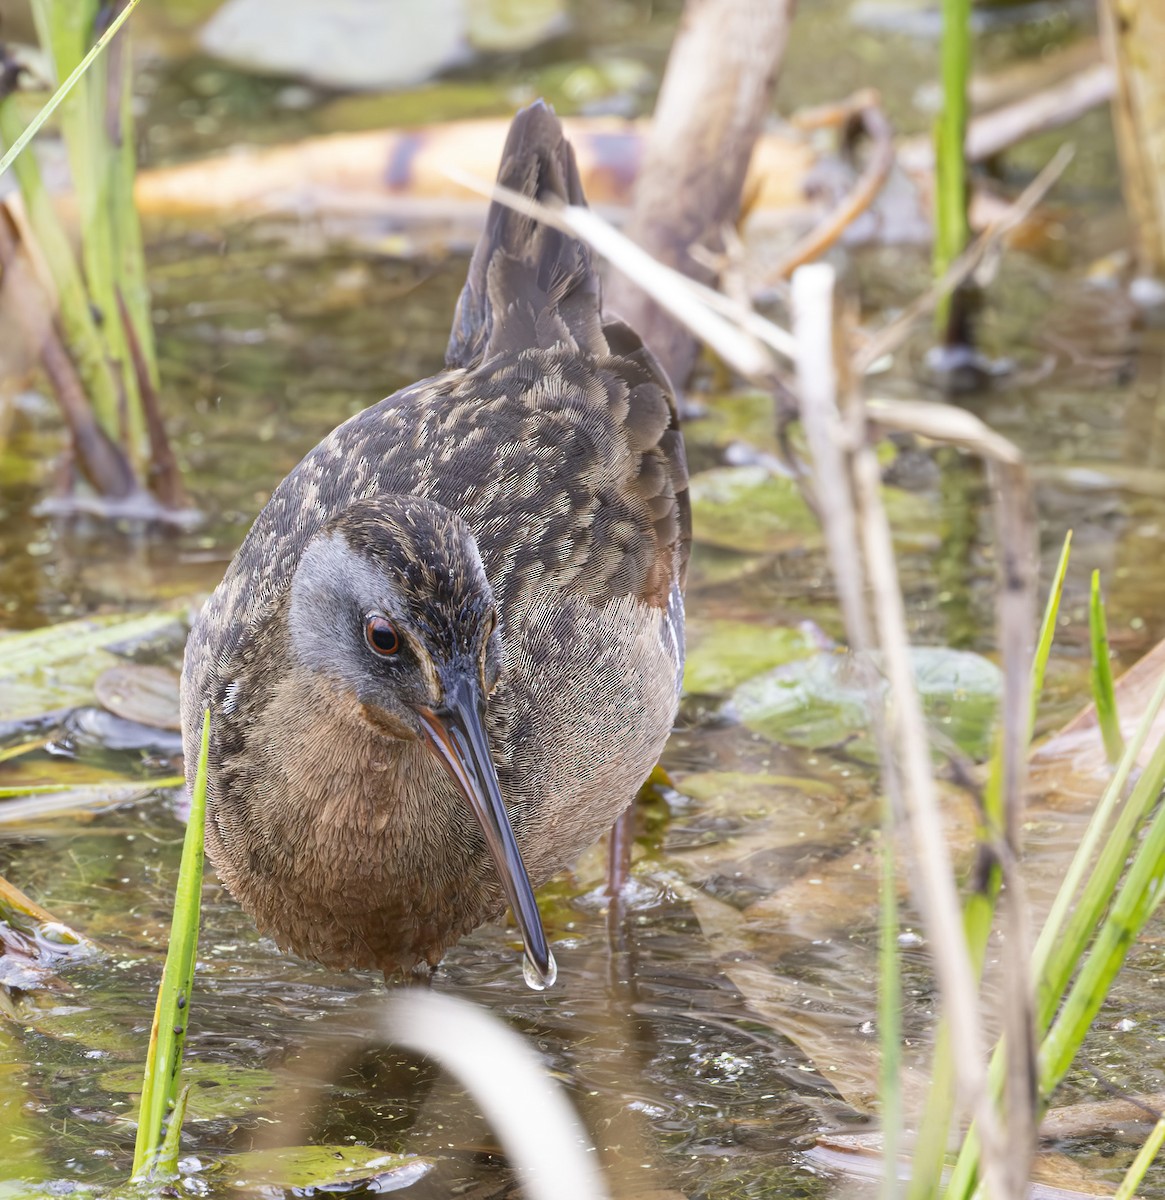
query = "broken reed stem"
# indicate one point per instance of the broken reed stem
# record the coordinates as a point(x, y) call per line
point(1002, 798)
point(736, 332)
point(821, 377)
point(813, 288)
point(1015, 537)
point(1138, 119)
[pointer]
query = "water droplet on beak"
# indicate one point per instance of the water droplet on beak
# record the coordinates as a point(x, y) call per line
point(534, 978)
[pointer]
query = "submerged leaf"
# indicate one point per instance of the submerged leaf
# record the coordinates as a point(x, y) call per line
point(750, 509)
point(753, 510)
point(217, 1091)
point(324, 1167)
point(722, 654)
point(819, 702)
point(147, 695)
point(55, 668)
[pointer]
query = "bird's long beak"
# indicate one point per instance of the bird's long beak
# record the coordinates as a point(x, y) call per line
point(457, 734)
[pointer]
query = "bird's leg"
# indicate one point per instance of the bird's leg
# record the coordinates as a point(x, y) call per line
point(619, 843)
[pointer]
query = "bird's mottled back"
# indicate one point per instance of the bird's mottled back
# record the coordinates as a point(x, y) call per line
point(552, 440)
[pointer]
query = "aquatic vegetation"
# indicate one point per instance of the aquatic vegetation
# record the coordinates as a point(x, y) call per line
point(164, 1099)
point(105, 371)
point(731, 1016)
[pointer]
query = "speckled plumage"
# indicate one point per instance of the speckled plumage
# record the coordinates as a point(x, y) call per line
point(547, 455)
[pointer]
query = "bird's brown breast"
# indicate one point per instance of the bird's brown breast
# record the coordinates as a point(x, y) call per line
point(355, 850)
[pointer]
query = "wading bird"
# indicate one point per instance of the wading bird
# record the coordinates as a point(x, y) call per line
point(449, 650)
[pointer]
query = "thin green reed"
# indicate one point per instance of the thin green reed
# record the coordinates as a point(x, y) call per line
point(952, 231)
point(163, 1102)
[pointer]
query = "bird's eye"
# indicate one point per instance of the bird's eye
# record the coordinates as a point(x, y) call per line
point(381, 637)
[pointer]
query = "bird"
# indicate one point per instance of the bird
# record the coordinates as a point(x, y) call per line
point(450, 649)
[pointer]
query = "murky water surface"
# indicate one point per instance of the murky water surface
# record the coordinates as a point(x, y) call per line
point(727, 1019)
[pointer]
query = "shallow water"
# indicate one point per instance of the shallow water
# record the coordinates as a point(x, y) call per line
point(728, 1020)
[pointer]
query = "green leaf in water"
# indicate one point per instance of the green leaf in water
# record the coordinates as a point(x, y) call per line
point(737, 416)
point(722, 654)
point(303, 1167)
point(1103, 693)
point(816, 702)
point(713, 566)
point(218, 1091)
point(55, 667)
point(750, 509)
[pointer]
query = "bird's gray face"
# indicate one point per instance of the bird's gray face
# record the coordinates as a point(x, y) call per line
point(391, 603)
point(394, 632)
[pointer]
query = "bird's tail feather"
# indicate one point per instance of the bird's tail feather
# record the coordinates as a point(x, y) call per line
point(529, 285)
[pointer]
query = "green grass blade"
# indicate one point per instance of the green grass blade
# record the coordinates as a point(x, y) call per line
point(65, 27)
point(1048, 628)
point(54, 101)
point(1103, 693)
point(1144, 1159)
point(166, 1166)
point(1138, 897)
point(130, 268)
point(952, 230)
point(76, 316)
point(19, 749)
point(168, 1035)
point(1057, 954)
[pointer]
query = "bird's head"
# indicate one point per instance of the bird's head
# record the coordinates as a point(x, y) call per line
point(390, 600)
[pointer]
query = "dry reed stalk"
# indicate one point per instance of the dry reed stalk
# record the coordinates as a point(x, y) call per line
point(813, 289)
